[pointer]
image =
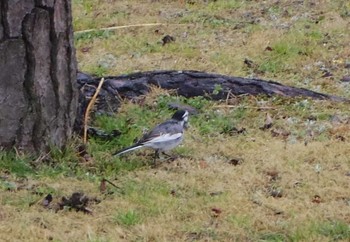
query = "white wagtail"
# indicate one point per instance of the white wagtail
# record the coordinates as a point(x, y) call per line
point(164, 136)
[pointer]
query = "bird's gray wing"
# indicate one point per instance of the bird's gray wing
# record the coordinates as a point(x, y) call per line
point(170, 129)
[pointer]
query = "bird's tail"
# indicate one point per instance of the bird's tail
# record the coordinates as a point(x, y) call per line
point(133, 147)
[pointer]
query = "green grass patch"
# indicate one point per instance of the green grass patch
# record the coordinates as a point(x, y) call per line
point(273, 237)
point(11, 163)
point(86, 37)
point(334, 230)
point(21, 202)
point(128, 218)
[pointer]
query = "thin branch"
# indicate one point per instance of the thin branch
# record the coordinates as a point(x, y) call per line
point(247, 107)
point(104, 179)
point(123, 27)
point(88, 109)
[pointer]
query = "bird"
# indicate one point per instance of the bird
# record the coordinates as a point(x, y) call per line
point(163, 137)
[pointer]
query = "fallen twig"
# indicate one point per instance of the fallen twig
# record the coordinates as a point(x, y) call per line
point(105, 180)
point(122, 27)
point(90, 105)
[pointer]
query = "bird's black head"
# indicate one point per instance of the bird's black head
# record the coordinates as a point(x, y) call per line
point(181, 115)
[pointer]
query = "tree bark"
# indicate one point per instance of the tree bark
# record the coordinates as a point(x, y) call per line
point(186, 83)
point(196, 83)
point(38, 94)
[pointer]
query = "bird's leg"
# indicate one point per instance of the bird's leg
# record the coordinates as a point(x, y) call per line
point(156, 155)
point(166, 154)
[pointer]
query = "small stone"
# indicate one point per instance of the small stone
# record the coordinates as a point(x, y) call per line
point(345, 79)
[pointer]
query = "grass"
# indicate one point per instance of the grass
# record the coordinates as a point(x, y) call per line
point(286, 183)
point(128, 219)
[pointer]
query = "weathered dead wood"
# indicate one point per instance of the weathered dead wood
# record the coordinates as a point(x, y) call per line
point(187, 83)
point(195, 83)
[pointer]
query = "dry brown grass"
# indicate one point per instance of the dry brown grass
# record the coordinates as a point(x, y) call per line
point(176, 200)
point(215, 38)
point(280, 190)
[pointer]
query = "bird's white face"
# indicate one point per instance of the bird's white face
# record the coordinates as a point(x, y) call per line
point(185, 120)
point(185, 117)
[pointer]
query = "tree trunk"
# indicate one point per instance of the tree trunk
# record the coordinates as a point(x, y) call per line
point(38, 94)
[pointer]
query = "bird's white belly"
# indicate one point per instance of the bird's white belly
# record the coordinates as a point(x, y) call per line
point(165, 145)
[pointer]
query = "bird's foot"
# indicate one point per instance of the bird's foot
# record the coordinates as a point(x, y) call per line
point(171, 157)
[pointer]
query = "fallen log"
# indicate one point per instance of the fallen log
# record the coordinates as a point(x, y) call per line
point(195, 83)
point(187, 84)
